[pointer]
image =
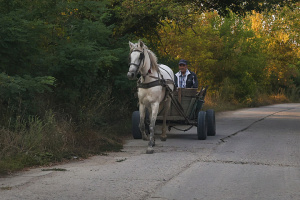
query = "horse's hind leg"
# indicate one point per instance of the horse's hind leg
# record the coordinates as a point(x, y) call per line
point(154, 111)
point(167, 105)
point(142, 121)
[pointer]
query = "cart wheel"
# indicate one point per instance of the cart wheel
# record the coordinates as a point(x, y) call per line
point(202, 126)
point(135, 125)
point(211, 122)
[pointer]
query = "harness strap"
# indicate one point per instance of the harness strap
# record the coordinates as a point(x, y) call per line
point(163, 81)
point(160, 82)
point(148, 85)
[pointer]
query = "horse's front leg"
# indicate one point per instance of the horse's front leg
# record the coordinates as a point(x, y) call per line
point(153, 116)
point(142, 121)
point(167, 105)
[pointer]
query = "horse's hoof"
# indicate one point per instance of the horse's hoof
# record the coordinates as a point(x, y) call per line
point(149, 151)
point(163, 139)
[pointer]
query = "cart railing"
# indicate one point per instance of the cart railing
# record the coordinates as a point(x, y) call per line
point(186, 103)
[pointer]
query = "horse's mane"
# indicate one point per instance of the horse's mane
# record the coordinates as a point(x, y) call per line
point(152, 56)
point(153, 60)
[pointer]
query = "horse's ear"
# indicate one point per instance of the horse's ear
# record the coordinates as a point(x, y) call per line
point(141, 43)
point(131, 45)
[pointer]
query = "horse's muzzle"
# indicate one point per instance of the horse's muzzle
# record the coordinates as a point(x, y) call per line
point(131, 75)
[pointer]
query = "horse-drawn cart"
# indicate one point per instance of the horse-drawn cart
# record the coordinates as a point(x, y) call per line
point(185, 109)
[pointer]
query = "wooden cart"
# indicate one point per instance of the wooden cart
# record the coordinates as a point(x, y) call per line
point(186, 108)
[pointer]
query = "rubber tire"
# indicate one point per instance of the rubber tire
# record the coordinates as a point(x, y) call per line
point(201, 126)
point(211, 122)
point(136, 133)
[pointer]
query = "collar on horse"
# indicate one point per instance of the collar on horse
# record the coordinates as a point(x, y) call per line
point(159, 82)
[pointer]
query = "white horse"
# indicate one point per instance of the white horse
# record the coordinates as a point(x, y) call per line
point(152, 89)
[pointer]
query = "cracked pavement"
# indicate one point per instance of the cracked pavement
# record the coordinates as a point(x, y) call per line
point(255, 155)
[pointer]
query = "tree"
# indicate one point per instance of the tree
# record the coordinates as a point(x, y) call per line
point(142, 17)
point(280, 32)
point(240, 7)
point(66, 40)
point(224, 52)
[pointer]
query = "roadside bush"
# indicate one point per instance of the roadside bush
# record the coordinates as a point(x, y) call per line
point(38, 141)
point(62, 93)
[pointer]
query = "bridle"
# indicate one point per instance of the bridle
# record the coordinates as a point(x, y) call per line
point(160, 81)
point(141, 59)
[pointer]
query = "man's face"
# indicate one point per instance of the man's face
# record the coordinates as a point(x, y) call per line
point(182, 68)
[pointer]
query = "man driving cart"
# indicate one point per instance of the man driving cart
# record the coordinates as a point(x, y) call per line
point(185, 78)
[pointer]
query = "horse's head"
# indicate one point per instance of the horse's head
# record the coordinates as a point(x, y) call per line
point(136, 59)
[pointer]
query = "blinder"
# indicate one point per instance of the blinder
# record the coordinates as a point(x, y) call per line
point(141, 58)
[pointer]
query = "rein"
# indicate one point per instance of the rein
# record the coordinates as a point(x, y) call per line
point(159, 82)
point(141, 58)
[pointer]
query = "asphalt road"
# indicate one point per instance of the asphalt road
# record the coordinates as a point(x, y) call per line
point(255, 155)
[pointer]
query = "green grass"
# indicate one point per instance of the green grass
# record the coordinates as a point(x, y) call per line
point(6, 188)
point(40, 142)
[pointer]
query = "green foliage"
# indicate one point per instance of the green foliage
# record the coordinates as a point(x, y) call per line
point(60, 56)
point(239, 56)
point(21, 42)
point(40, 141)
point(63, 84)
point(67, 40)
point(19, 93)
point(131, 15)
point(243, 59)
point(10, 86)
point(224, 8)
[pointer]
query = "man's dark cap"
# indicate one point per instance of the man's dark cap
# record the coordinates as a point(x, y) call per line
point(182, 61)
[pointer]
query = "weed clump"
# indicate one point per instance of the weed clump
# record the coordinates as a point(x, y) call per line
point(27, 140)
